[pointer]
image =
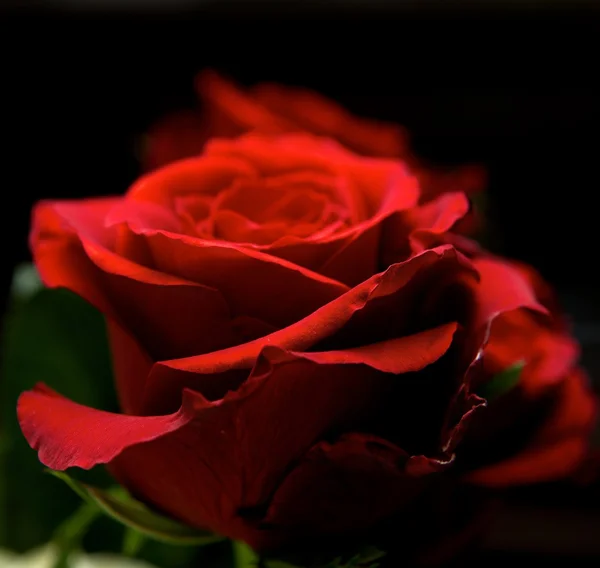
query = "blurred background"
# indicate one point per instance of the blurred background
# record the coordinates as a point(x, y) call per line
point(511, 85)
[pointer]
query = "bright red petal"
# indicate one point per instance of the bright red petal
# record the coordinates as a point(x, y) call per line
point(67, 434)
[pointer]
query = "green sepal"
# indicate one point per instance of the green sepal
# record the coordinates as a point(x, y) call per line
point(502, 383)
point(119, 505)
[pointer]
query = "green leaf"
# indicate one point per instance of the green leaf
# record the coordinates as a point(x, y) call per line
point(243, 555)
point(55, 337)
point(119, 505)
point(503, 382)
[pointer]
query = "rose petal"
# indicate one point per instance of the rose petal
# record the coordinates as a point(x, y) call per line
point(142, 214)
point(548, 354)
point(131, 366)
point(502, 288)
point(202, 175)
point(253, 283)
point(67, 434)
point(344, 486)
point(399, 355)
point(416, 229)
point(558, 447)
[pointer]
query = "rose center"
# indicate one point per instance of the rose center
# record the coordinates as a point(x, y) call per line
point(264, 211)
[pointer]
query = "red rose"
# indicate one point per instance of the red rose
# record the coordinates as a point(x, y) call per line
point(229, 111)
point(293, 337)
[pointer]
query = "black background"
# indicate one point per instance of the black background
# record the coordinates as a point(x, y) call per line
point(513, 86)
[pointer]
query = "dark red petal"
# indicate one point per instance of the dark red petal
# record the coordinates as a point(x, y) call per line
point(131, 366)
point(67, 434)
point(559, 446)
point(344, 486)
point(253, 283)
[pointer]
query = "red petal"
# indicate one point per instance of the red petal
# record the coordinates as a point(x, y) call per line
point(548, 354)
point(67, 434)
point(416, 229)
point(559, 446)
point(502, 288)
point(205, 175)
point(131, 366)
point(399, 355)
point(170, 316)
point(253, 283)
point(344, 486)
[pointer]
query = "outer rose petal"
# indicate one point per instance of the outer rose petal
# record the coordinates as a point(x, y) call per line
point(548, 354)
point(344, 486)
point(67, 434)
point(558, 448)
point(167, 314)
point(502, 288)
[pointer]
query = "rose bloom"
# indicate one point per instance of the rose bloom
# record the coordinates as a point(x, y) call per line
point(228, 111)
point(300, 345)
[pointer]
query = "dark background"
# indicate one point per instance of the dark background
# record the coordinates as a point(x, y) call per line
point(510, 85)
